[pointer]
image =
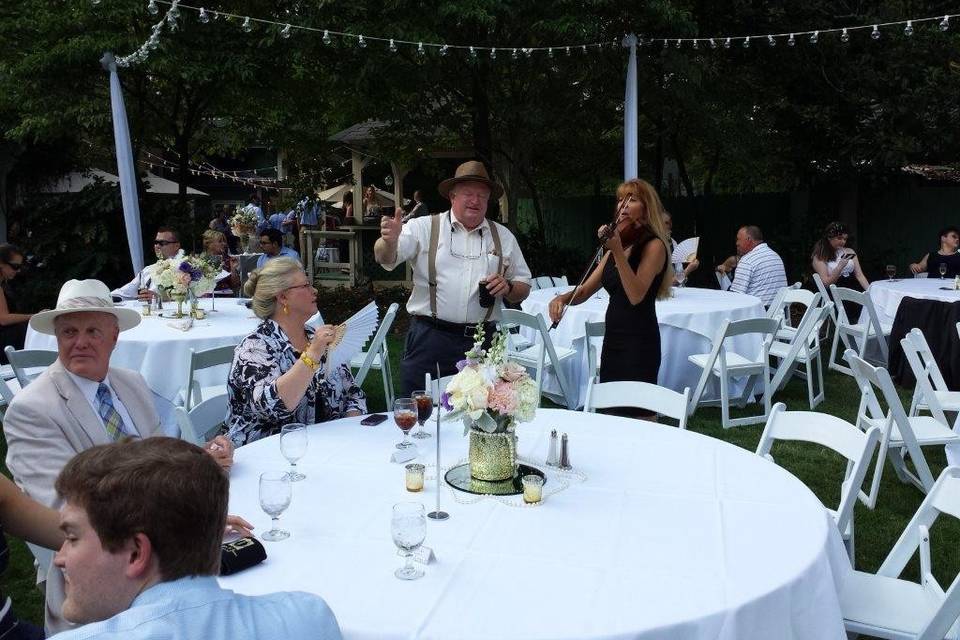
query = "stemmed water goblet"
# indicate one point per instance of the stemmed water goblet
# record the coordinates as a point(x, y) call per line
point(408, 527)
point(293, 446)
point(424, 404)
point(891, 271)
point(943, 270)
point(405, 415)
point(275, 495)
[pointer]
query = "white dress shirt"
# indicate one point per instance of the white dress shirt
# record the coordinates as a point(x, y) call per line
point(463, 258)
point(89, 390)
point(142, 280)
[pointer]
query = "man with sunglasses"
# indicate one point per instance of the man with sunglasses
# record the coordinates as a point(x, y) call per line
point(464, 267)
point(165, 245)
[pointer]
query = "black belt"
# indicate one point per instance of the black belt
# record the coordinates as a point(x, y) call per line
point(466, 330)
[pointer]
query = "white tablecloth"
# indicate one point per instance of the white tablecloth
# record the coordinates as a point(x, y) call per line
point(161, 353)
point(688, 321)
point(886, 295)
point(672, 535)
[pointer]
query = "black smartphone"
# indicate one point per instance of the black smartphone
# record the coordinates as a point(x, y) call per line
point(373, 419)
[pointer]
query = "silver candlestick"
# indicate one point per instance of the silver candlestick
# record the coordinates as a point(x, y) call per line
point(438, 514)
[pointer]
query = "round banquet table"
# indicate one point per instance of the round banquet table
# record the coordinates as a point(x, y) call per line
point(688, 321)
point(671, 535)
point(886, 295)
point(161, 353)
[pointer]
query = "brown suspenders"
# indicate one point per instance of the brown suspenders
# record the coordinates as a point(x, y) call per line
point(432, 260)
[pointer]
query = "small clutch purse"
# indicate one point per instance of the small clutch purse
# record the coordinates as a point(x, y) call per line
point(241, 554)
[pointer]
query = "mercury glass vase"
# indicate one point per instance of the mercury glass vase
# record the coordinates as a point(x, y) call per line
point(493, 456)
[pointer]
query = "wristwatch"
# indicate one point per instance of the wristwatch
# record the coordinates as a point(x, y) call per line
point(310, 362)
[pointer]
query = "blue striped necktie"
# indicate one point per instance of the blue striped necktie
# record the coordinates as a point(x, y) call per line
point(111, 417)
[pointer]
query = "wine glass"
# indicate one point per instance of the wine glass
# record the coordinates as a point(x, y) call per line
point(943, 269)
point(408, 527)
point(275, 494)
point(681, 276)
point(424, 404)
point(405, 415)
point(891, 271)
point(293, 446)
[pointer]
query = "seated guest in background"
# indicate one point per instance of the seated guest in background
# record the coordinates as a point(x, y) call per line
point(215, 250)
point(221, 223)
point(279, 374)
point(371, 207)
point(271, 243)
point(79, 401)
point(143, 551)
point(760, 270)
point(166, 245)
point(835, 262)
point(947, 255)
point(13, 325)
point(691, 266)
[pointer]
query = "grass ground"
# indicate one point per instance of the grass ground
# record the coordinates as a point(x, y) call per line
point(818, 468)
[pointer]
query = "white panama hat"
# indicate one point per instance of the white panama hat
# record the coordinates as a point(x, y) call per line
point(84, 295)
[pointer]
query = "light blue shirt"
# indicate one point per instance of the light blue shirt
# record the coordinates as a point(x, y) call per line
point(285, 252)
point(197, 608)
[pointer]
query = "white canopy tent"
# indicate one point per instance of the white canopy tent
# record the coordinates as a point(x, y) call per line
point(334, 195)
point(77, 180)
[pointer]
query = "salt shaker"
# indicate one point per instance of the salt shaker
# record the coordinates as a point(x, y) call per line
point(564, 454)
point(553, 458)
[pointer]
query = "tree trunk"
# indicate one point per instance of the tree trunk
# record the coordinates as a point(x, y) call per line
point(682, 166)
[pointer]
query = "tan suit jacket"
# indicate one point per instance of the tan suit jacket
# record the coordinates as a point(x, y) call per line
point(48, 423)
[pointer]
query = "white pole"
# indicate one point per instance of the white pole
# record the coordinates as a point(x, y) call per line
point(630, 126)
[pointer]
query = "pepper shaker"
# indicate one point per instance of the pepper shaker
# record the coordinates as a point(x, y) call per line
point(564, 454)
point(553, 458)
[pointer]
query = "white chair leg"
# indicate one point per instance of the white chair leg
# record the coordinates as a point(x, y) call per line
point(724, 403)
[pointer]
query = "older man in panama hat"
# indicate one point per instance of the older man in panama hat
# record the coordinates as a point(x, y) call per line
point(464, 266)
point(79, 401)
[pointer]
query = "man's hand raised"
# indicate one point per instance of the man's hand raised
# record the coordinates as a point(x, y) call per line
point(390, 227)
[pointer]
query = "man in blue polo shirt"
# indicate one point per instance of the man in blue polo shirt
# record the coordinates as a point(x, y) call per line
point(271, 242)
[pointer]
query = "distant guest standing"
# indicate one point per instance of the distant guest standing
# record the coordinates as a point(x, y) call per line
point(419, 208)
point(636, 272)
point(947, 255)
point(13, 325)
point(760, 270)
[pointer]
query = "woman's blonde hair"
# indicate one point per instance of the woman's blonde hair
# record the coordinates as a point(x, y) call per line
point(264, 285)
point(209, 237)
point(645, 193)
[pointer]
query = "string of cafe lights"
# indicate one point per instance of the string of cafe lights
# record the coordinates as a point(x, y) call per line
point(329, 36)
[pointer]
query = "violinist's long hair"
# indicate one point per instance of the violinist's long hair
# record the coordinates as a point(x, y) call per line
point(644, 191)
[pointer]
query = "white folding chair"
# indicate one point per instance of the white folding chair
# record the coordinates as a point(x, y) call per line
point(24, 359)
point(543, 354)
point(640, 395)
point(803, 350)
point(836, 434)
point(884, 605)
point(930, 382)
point(204, 420)
point(593, 330)
point(723, 280)
point(782, 306)
point(547, 282)
point(856, 336)
point(724, 364)
point(377, 356)
point(436, 387)
point(193, 393)
point(901, 435)
point(7, 390)
point(776, 307)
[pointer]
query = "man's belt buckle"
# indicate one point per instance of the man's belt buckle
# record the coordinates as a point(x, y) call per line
point(469, 330)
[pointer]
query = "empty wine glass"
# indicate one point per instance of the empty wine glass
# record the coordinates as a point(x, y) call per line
point(943, 269)
point(424, 404)
point(275, 495)
point(405, 415)
point(293, 446)
point(681, 277)
point(408, 527)
point(891, 271)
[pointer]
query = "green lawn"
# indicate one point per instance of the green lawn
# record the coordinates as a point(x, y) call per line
point(821, 470)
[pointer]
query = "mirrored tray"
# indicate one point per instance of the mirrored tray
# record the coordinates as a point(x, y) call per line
point(459, 478)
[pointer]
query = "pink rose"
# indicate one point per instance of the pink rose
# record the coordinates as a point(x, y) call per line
point(502, 398)
point(511, 371)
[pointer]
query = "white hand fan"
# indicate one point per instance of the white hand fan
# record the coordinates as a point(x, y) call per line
point(351, 336)
point(686, 251)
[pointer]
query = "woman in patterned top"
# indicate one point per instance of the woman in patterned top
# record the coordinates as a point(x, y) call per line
point(279, 371)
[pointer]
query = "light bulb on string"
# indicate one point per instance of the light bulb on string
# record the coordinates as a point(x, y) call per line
point(326, 37)
point(361, 42)
point(285, 32)
point(875, 34)
point(204, 16)
point(568, 51)
point(94, 2)
point(513, 54)
point(746, 42)
point(771, 41)
point(908, 30)
point(945, 23)
point(792, 41)
point(814, 37)
point(584, 49)
point(247, 25)
point(679, 42)
point(420, 50)
point(527, 52)
point(171, 23)
point(713, 43)
point(473, 53)
point(726, 43)
point(550, 52)
point(665, 44)
point(844, 36)
point(153, 8)
point(493, 53)
point(444, 49)
point(174, 12)
point(393, 46)
point(696, 44)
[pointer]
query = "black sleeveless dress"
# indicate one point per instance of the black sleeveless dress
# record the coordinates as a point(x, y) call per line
point(631, 342)
point(935, 259)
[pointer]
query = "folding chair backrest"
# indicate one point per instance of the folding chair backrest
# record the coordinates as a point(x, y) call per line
point(6, 393)
point(943, 498)
point(593, 330)
point(843, 294)
point(831, 432)
point(204, 420)
point(547, 282)
point(825, 295)
point(547, 353)
point(777, 302)
point(764, 326)
point(378, 343)
point(641, 395)
point(789, 296)
point(435, 386)
point(919, 343)
point(806, 336)
point(723, 280)
point(205, 359)
point(914, 345)
point(25, 359)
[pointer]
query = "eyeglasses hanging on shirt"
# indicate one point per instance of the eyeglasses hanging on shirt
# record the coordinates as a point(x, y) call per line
point(467, 251)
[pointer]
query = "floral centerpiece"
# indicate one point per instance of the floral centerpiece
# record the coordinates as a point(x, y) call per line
point(244, 223)
point(180, 277)
point(491, 395)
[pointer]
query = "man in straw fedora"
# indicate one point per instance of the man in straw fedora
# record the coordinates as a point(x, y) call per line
point(453, 255)
point(78, 402)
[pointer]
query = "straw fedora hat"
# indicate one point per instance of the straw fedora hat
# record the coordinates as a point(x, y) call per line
point(84, 295)
point(472, 171)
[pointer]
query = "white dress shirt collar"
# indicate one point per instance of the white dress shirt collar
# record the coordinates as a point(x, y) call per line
point(89, 390)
